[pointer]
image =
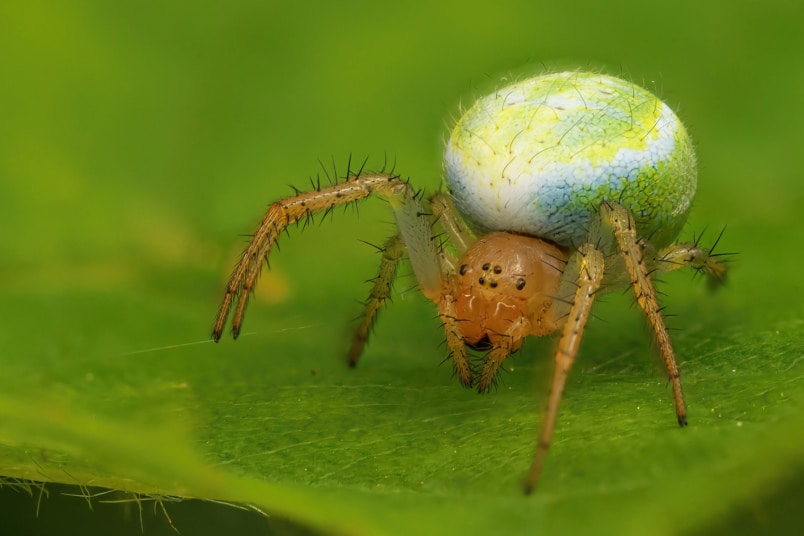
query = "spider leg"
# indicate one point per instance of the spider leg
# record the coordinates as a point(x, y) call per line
point(411, 218)
point(447, 218)
point(392, 252)
point(584, 272)
point(632, 253)
point(693, 255)
point(457, 349)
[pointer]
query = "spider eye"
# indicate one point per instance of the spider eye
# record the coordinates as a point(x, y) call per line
point(486, 266)
point(464, 269)
point(498, 269)
point(520, 283)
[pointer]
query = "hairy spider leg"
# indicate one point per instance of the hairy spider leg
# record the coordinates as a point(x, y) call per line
point(412, 221)
point(447, 218)
point(583, 273)
point(392, 252)
point(509, 343)
point(433, 268)
point(424, 249)
point(691, 254)
point(455, 342)
point(632, 253)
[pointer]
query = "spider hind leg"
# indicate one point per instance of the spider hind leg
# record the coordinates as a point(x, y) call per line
point(632, 253)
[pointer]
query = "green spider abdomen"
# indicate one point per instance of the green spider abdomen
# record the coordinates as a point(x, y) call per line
point(539, 156)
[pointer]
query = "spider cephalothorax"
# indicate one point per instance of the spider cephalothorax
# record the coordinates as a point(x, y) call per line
point(505, 279)
point(565, 180)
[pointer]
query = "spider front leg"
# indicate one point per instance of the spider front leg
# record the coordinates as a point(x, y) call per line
point(584, 272)
point(413, 223)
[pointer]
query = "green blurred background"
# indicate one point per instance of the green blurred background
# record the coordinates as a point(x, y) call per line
point(138, 140)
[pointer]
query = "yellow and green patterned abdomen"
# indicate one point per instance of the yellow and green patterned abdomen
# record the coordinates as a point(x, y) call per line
point(539, 156)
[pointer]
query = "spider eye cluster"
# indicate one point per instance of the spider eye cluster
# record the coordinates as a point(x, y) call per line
point(490, 274)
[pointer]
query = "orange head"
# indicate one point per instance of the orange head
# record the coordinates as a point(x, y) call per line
point(503, 277)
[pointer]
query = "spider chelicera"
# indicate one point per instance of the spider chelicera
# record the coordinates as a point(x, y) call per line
point(558, 186)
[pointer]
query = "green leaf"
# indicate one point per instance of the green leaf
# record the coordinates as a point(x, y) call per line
point(136, 147)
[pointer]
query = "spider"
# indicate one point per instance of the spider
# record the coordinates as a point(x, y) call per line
point(559, 186)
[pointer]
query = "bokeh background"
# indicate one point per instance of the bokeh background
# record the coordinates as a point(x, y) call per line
point(139, 140)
